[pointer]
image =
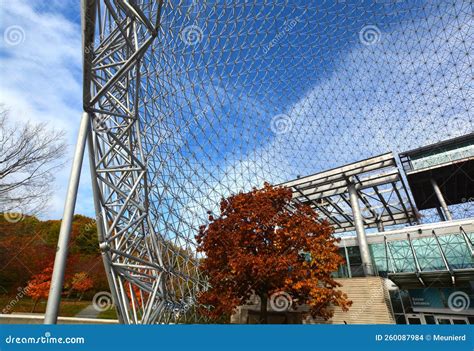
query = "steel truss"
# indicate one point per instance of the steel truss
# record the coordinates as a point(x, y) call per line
point(137, 265)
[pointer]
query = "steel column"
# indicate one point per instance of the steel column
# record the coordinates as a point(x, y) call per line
point(57, 280)
point(360, 230)
point(441, 200)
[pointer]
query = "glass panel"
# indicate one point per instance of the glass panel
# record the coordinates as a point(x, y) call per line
point(459, 321)
point(396, 301)
point(405, 296)
point(379, 257)
point(428, 254)
point(456, 251)
point(443, 155)
point(443, 321)
point(342, 272)
point(402, 256)
point(412, 320)
point(400, 319)
point(355, 260)
point(430, 319)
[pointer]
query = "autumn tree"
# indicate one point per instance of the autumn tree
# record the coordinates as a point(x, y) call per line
point(81, 282)
point(261, 243)
point(38, 286)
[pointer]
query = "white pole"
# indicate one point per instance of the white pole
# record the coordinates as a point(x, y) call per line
point(57, 281)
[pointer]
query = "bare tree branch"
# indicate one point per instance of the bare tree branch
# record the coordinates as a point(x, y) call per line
point(29, 156)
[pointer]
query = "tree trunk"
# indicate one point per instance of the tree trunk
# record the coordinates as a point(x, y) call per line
point(34, 306)
point(263, 309)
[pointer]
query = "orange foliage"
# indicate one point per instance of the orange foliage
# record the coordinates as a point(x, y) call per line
point(38, 286)
point(260, 244)
point(136, 296)
point(81, 282)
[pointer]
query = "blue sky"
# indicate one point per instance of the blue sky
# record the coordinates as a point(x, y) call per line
point(41, 77)
point(346, 101)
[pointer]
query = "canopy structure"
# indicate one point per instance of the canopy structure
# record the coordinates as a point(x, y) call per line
point(379, 187)
point(192, 101)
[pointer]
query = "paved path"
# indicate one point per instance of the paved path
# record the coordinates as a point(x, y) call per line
point(88, 312)
point(38, 318)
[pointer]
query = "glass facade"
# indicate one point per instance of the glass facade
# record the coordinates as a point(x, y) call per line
point(398, 257)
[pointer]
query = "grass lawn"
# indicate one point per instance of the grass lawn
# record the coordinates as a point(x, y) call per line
point(108, 314)
point(68, 308)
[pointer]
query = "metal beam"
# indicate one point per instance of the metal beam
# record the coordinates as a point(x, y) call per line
point(415, 258)
point(467, 240)
point(445, 260)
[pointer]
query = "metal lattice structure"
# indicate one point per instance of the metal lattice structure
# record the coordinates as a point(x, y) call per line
point(377, 184)
point(192, 101)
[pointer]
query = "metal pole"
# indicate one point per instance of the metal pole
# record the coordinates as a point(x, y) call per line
point(445, 259)
point(348, 261)
point(57, 280)
point(467, 241)
point(380, 226)
point(441, 200)
point(415, 258)
point(440, 214)
point(360, 230)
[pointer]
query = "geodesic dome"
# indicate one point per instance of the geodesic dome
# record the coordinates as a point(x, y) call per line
point(192, 101)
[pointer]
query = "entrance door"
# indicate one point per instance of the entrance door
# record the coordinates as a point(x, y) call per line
point(451, 320)
point(415, 318)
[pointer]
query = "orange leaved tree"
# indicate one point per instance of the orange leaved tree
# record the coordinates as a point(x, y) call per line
point(38, 286)
point(263, 244)
point(81, 282)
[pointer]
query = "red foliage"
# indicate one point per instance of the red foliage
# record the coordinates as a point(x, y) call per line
point(261, 243)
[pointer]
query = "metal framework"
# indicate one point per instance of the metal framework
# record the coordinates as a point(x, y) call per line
point(379, 187)
point(145, 270)
point(187, 102)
